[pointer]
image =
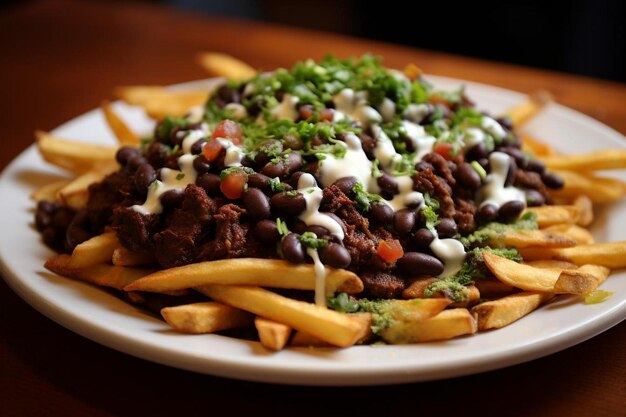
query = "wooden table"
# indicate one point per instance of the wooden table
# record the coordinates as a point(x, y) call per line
point(60, 59)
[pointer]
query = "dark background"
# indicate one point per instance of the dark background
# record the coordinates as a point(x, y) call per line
point(584, 37)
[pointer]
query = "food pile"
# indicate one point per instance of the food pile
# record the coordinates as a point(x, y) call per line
point(373, 205)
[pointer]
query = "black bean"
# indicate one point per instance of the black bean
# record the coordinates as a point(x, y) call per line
point(294, 178)
point(466, 176)
point(292, 249)
point(210, 183)
point(50, 237)
point(125, 153)
point(335, 255)
point(381, 213)
point(260, 181)
point(512, 172)
point(256, 203)
point(155, 153)
point(476, 152)
point(505, 122)
point(47, 206)
point(294, 162)
point(298, 226)
point(144, 176)
point(172, 198)
point(42, 220)
point(534, 198)
point(536, 165)
point(552, 180)
point(266, 231)
point(312, 168)
point(388, 185)
point(289, 204)
point(136, 161)
point(319, 231)
point(423, 165)
point(484, 162)
point(423, 237)
point(337, 220)
point(228, 95)
point(273, 170)
point(62, 218)
point(293, 142)
point(510, 211)
point(346, 184)
point(201, 165)
point(488, 212)
point(196, 148)
point(447, 228)
point(417, 263)
point(520, 157)
point(404, 221)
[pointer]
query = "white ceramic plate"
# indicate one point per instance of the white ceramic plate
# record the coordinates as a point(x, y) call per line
point(100, 316)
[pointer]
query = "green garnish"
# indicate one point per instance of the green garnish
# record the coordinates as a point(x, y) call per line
point(282, 227)
point(311, 241)
point(363, 198)
point(226, 172)
point(276, 185)
point(180, 176)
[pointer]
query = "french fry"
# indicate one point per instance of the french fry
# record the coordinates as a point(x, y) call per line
point(536, 147)
point(226, 66)
point(490, 289)
point(416, 309)
point(591, 161)
point(417, 287)
point(205, 317)
point(579, 234)
point(530, 278)
point(611, 254)
point(159, 102)
point(333, 327)
point(76, 193)
point(551, 264)
point(248, 271)
point(597, 189)
point(101, 274)
point(123, 133)
point(124, 257)
point(582, 281)
point(504, 311)
point(551, 215)
point(526, 110)
point(97, 250)
point(78, 157)
point(536, 238)
point(272, 334)
point(445, 325)
point(49, 192)
point(304, 339)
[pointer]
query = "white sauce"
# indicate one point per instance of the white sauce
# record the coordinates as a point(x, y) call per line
point(449, 251)
point(237, 111)
point(320, 277)
point(473, 136)
point(311, 216)
point(234, 154)
point(353, 164)
point(492, 127)
point(192, 136)
point(355, 106)
point(494, 192)
point(406, 196)
point(387, 109)
point(416, 112)
point(195, 114)
point(422, 142)
point(286, 109)
point(384, 151)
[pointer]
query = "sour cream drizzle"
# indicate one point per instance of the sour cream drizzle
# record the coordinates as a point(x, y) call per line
point(494, 192)
point(450, 251)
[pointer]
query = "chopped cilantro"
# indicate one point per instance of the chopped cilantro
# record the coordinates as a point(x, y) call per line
point(180, 176)
point(493, 231)
point(226, 172)
point(432, 219)
point(431, 202)
point(165, 126)
point(276, 185)
point(363, 198)
point(343, 303)
point(310, 240)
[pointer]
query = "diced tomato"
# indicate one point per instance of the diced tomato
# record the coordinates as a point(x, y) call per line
point(444, 149)
point(327, 115)
point(212, 150)
point(390, 250)
point(233, 185)
point(228, 129)
point(306, 111)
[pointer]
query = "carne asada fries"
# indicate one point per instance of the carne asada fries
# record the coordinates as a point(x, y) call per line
point(335, 204)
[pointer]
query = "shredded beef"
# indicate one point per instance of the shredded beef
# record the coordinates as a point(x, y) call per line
point(134, 230)
point(426, 181)
point(175, 245)
point(117, 189)
point(230, 235)
point(441, 167)
point(464, 215)
point(383, 284)
point(529, 179)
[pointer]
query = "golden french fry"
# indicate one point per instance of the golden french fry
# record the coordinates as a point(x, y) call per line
point(226, 66)
point(333, 327)
point(72, 155)
point(248, 271)
point(536, 147)
point(591, 161)
point(610, 254)
point(205, 317)
point(304, 339)
point(76, 194)
point(551, 215)
point(597, 189)
point(49, 192)
point(445, 325)
point(272, 334)
point(582, 281)
point(504, 311)
point(490, 289)
point(536, 238)
point(101, 274)
point(418, 286)
point(121, 130)
point(159, 102)
point(416, 309)
point(551, 264)
point(97, 250)
point(526, 110)
point(124, 257)
point(579, 234)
